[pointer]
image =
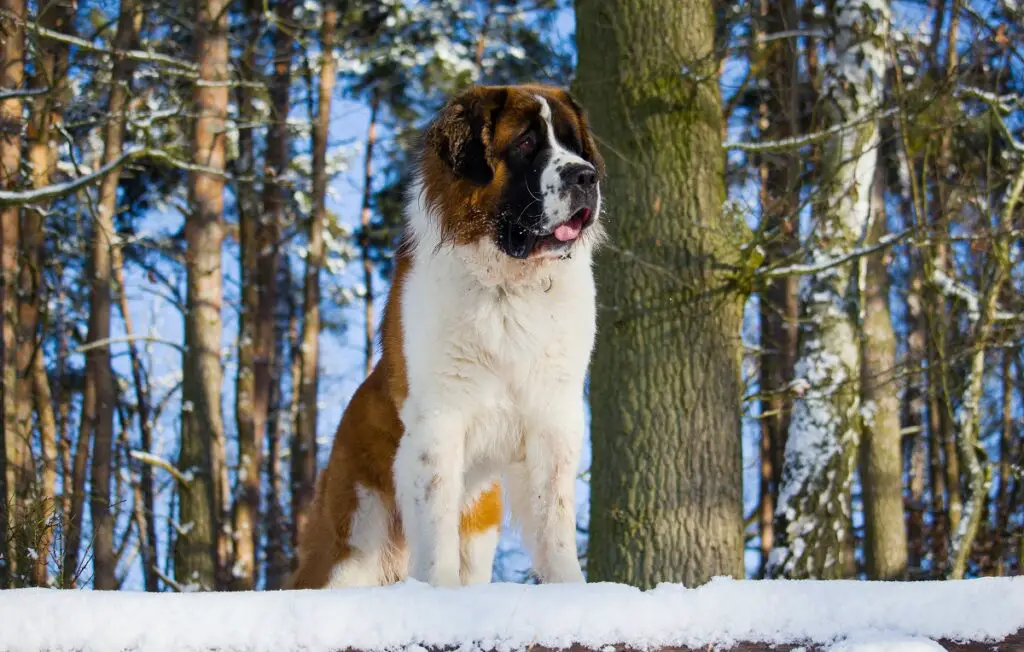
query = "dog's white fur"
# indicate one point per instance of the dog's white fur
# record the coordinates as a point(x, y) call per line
point(496, 352)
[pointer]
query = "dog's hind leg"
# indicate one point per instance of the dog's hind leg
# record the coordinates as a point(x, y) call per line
point(364, 561)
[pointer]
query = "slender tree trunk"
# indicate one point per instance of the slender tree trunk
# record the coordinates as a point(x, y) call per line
point(366, 216)
point(304, 442)
point(98, 356)
point(145, 491)
point(969, 421)
point(665, 389)
point(825, 430)
point(914, 404)
point(202, 430)
point(779, 118)
point(947, 495)
point(12, 77)
point(1004, 497)
point(73, 538)
point(276, 524)
point(50, 71)
point(885, 543)
point(243, 571)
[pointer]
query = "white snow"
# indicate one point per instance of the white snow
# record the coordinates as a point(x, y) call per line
point(851, 615)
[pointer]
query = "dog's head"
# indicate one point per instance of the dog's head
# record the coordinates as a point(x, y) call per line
point(514, 164)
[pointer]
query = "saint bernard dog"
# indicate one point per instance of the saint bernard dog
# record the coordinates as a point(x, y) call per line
point(486, 339)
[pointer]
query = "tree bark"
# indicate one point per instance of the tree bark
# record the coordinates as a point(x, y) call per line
point(243, 570)
point(15, 467)
point(278, 561)
point(365, 218)
point(304, 443)
point(825, 429)
point(914, 404)
point(34, 387)
point(1004, 497)
point(104, 238)
point(149, 540)
point(779, 306)
point(202, 429)
point(665, 386)
point(885, 541)
point(49, 76)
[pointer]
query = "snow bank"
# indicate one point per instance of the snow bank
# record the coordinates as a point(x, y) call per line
point(858, 616)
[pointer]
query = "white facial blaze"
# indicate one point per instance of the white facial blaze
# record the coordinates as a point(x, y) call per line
point(554, 193)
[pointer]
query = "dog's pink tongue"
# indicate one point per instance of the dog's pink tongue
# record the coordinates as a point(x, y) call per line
point(568, 231)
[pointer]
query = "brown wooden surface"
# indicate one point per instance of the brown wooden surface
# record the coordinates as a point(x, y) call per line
point(1012, 643)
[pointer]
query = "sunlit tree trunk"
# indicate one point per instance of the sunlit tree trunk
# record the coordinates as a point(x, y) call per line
point(304, 439)
point(246, 505)
point(104, 238)
point(885, 539)
point(15, 467)
point(202, 427)
point(665, 385)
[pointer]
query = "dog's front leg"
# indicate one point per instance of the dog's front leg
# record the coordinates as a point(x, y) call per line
point(552, 457)
point(428, 488)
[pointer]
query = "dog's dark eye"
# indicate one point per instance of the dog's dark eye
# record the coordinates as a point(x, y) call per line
point(526, 144)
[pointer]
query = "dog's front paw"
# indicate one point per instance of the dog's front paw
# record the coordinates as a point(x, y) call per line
point(566, 572)
point(438, 574)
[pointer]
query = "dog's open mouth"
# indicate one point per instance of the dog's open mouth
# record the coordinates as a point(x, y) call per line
point(567, 232)
point(571, 229)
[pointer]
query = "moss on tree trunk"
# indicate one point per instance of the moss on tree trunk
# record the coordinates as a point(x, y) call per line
point(665, 385)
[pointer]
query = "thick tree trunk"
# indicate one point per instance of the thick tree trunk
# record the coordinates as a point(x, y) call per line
point(825, 430)
point(885, 541)
point(779, 306)
point(98, 356)
point(16, 469)
point(202, 427)
point(665, 388)
point(304, 442)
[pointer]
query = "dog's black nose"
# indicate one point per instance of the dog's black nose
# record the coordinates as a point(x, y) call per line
point(580, 174)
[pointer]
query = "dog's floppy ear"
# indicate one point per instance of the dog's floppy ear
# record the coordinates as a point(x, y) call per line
point(462, 132)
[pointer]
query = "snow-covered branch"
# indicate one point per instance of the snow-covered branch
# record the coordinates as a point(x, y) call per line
point(53, 191)
point(172, 65)
point(1000, 105)
point(121, 340)
point(724, 615)
point(797, 142)
point(21, 94)
point(156, 460)
point(141, 56)
point(804, 269)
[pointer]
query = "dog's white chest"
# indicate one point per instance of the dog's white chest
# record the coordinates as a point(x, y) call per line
point(497, 354)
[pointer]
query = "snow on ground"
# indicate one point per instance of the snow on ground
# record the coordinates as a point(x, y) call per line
point(856, 616)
